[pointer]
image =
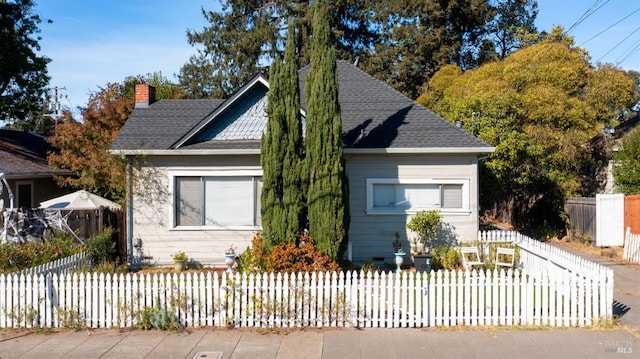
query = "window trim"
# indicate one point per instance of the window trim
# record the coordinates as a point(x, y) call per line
point(173, 174)
point(464, 210)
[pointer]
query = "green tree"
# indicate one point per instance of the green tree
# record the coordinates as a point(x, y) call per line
point(274, 224)
point(294, 181)
point(327, 195)
point(419, 37)
point(626, 167)
point(512, 25)
point(248, 34)
point(540, 107)
point(35, 121)
point(400, 42)
point(23, 73)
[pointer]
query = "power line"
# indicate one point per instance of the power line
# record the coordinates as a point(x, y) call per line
point(608, 28)
point(630, 52)
point(592, 10)
point(619, 43)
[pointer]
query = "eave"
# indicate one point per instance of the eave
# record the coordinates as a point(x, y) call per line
point(371, 151)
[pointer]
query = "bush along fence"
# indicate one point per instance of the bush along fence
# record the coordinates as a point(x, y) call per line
point(631, 247)
point(574, 296)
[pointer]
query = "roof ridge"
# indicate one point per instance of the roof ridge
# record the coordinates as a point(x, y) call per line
point(381, 81)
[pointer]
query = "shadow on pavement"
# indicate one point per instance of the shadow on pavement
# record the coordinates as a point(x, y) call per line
point(619, 309)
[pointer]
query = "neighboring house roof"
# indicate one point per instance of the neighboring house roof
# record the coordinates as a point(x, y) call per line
point(24, 155)
point(375, 118)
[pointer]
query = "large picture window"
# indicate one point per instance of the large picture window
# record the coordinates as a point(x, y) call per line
point(217, 201)
point(411, 195)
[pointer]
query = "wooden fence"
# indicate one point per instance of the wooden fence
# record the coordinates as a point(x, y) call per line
point(631, 250)
point(632, 213)
point(345, 299)
point(83, 222)
point(86, 222)
point(582, 216)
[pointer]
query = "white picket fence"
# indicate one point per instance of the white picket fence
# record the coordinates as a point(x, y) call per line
point(550, 288)
point(542, 259)
point(631, 250)
point(345, 299)
point(66, 264)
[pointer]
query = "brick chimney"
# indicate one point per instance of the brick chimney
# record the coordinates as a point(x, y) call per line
point(145, 95)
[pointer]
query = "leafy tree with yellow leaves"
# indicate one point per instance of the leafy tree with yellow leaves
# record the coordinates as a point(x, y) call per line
point(539, 107)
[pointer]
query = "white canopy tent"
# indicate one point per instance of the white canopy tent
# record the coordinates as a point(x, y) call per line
point(79, 200)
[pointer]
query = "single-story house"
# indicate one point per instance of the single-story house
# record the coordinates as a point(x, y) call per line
point(200, 192)
point(23, 161)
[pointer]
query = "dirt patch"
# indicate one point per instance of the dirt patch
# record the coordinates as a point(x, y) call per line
point(613, 254)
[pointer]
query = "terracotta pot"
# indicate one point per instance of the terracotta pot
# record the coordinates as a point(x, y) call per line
point(179, 265)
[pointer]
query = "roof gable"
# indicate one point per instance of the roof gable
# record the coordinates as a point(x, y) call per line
point(242, 117)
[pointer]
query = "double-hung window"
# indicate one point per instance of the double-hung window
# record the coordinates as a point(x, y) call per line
point(223, 201)
point(388, 195)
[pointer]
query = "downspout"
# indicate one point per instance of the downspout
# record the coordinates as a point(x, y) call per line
point(129, 175)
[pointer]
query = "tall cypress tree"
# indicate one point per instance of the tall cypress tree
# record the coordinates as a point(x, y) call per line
point(293, 180)
point(272, 159)
point(327, 195)
point(283, 207)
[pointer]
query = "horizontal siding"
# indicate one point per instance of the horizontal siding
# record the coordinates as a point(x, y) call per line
point(186, 162)
point(371, 236)
point(153, 214)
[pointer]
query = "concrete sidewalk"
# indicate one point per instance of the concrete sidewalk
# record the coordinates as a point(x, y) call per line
point(326, 343)
point(626, 292)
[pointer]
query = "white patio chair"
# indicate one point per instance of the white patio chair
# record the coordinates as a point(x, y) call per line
point(470, 257)
point(505, 257)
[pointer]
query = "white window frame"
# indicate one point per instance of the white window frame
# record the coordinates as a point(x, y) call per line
point(371, 182)
point(173, 174)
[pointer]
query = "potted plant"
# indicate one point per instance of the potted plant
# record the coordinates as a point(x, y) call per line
point(425, 224)
point(230, 258)
point(180, 260)
point(398, 252)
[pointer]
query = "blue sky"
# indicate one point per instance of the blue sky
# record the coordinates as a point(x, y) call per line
point(92, 43)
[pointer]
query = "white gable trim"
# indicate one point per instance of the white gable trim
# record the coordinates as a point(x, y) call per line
point(232, 100)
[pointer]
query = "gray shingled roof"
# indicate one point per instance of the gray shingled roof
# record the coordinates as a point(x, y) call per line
point(24, 154)
point(162, 124)
point(374, 115)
